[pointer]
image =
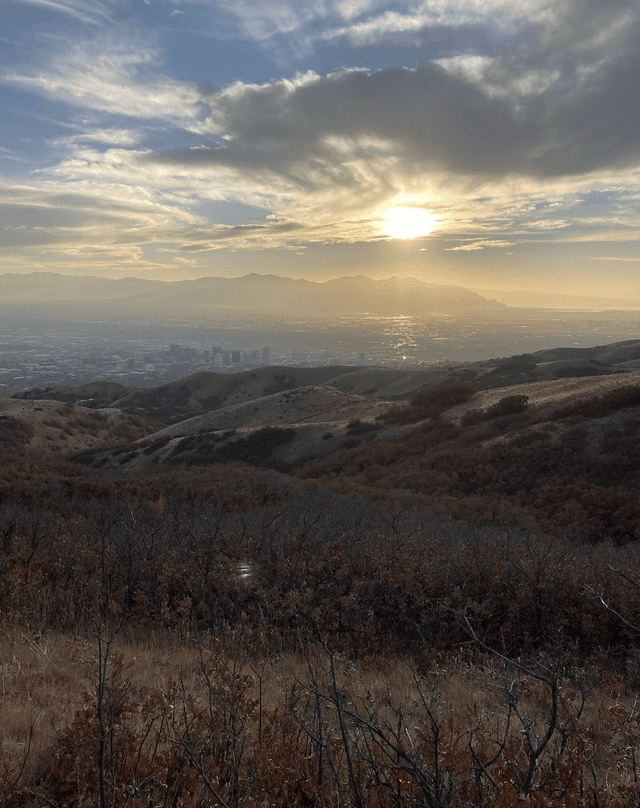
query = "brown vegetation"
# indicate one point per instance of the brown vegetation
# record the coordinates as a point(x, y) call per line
point(372, 656)
point(443, 612)
point(429, 402)
point(93, 395)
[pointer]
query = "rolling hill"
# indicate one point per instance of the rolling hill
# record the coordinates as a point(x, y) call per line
point(44, 428)
point(206, 391)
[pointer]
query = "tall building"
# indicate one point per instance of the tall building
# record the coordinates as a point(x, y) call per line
point(266, 356)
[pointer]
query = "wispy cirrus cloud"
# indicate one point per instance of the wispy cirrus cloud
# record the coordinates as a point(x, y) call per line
point(87, 11)
point(119, 78)
point(480, 245)
point(623, 258)
point(113, 136)
point(413, 18)
point(546, 224)
point(366, 22)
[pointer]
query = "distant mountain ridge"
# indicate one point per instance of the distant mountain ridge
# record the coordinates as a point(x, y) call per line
point(266, 293)
point(548, 300)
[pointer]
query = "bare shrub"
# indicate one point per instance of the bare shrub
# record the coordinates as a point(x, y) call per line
point(430, 402)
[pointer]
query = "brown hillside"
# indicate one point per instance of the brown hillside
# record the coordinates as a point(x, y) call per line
point(206, 391)
point(51, 427)
point(299, 405)
point(550, 392)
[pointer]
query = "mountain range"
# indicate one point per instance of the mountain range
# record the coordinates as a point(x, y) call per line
point(530, 298)
point(258, 293)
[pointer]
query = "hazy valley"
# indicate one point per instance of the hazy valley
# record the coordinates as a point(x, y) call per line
point(57, 330)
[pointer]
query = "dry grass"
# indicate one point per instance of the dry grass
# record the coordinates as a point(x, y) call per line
point(312, 404)
point(43, 681)
point(547, 392)
point(185, 718)
point(72, 428)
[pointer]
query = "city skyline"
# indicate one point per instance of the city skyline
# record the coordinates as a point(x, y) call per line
point(487, 144)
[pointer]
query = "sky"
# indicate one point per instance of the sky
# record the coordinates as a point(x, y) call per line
point(485, 143)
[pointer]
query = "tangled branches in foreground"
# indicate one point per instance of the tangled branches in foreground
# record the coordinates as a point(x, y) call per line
point(374, 656)
point(209, 725)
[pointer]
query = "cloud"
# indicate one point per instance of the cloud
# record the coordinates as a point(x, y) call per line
point(348, 9)
point(116, 77)
point(91, 11)
point(271, 18)
point(486, 121)
point(332, 130)
point(404, 25)
point(577, 25)
point(498, 79)
point(624, 259)
point(546, 224)
point(8, 154)
point(58, 214)
point(480, 245)
point(368, 22)
point(318, 148)
point(487, 143)
point(112, 136)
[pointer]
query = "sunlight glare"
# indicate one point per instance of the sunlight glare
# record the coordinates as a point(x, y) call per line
point(409, 222)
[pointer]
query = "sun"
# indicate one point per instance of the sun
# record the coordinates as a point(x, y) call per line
point(409, 222)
